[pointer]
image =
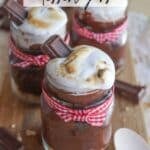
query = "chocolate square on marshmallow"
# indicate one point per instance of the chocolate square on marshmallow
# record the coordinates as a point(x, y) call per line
point(16, 11)
point(56, 47)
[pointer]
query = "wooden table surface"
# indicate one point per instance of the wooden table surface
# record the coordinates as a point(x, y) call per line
point(19, 118)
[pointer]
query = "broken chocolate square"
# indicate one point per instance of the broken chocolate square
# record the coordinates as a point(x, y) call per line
point(16, 11)
point(129, 91)
point(55, 47)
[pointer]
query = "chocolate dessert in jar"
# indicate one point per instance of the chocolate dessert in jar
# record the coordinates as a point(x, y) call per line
point(77, 101)
point(103, 27)
point(27, 61)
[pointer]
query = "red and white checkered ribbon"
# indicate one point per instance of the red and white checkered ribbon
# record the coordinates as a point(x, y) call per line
point(28, 60)
point(100, 37)
point(94, 116)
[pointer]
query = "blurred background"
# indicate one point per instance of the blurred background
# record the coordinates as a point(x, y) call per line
point(139, 33)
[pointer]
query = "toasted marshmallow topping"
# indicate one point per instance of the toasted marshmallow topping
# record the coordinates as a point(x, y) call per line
point(40, 24)
point(111, 12)
point(86, 69)
point(43, 19)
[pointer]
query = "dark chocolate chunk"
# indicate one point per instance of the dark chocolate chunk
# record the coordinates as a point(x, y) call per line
point(55, 47)
point(131, 92)
point(7, 141)
point(16, 11)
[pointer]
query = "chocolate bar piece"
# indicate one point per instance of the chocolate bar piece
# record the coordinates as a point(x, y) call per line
point(131, 92)
point(16, 11)
point(55, 47)
point(7, 141)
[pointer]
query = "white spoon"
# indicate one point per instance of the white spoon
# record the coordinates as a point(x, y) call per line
point(126, 139)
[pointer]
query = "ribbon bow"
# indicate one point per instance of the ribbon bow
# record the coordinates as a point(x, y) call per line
point(94, 116)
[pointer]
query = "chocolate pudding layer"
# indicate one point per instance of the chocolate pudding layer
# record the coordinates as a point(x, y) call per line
point(74, 99)
point(83, 80)
point(26, 82)
point(74, 135)
point(103, 20)
point(40, 24)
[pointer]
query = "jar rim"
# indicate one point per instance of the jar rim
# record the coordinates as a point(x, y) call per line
point(96, 103)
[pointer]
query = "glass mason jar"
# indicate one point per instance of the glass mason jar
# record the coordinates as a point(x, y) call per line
point(27, 61)
point(26, 81)
point(109, 34)
point(58, 134)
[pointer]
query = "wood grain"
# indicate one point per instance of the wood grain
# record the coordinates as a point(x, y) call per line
point(24, 117)
point(128, 115)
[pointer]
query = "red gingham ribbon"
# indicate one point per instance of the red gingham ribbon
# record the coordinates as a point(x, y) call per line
point(94, 116)
point(99, 37)
point(28, 60)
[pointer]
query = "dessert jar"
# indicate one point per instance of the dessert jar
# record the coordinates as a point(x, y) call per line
point(27, 61)
point(77, 115)
point(105, 28)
